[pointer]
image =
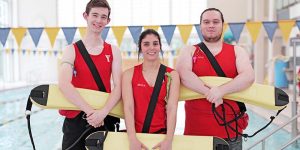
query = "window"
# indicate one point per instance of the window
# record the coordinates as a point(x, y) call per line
point(280, 4)
point(4, 22)
point(4, 13)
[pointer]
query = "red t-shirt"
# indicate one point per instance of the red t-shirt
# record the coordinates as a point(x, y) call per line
point(142, 92)
point(199, 117)
point(83, 77)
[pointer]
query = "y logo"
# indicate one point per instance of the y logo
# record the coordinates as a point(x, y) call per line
point(107, 57)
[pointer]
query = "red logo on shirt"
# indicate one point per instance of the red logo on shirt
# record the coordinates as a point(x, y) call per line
point(195, 58)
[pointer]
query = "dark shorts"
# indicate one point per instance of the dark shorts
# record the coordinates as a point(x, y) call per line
point(237, 145)
point(74, 127)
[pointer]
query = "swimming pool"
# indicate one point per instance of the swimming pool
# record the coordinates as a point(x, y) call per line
point(47, 133)
point(45, 124)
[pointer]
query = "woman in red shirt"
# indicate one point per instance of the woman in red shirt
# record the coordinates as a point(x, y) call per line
point(137, 87)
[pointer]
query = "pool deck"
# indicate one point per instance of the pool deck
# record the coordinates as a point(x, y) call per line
point(12, 85)
point(15, 85)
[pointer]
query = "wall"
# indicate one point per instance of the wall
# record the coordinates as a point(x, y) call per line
point(233, 10)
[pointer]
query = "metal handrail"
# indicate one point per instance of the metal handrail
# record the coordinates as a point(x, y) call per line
point(290, 142)
point(272, 132)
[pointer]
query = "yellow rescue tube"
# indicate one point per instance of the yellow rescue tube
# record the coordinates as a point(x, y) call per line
point(265, 96)
point(119, 140)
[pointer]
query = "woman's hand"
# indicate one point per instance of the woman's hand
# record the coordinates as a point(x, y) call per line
point(164, 145)
point(135, 144)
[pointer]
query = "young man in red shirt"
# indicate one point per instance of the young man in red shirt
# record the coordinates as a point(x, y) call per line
point(74, 73)
point(193, 63)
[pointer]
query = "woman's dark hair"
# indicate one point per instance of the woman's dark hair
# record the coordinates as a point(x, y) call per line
point(143, 35)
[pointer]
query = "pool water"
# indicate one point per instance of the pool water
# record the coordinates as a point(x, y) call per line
point(45, 124)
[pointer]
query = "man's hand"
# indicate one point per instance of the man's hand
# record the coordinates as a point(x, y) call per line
point(96, 118)
point(215, 95)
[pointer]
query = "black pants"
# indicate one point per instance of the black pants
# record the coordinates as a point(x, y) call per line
point(74, 127)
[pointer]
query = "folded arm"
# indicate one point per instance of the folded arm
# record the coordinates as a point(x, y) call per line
point(65, 78)
point(184, 67)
